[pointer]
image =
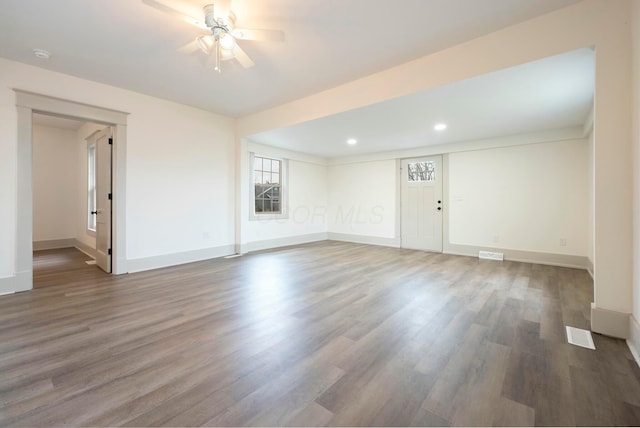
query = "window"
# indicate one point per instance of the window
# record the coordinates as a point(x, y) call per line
point(422, 171)
point(91, 188)
point(268, 178)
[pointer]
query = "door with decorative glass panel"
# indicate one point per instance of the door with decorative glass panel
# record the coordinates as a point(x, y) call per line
point(421, 203)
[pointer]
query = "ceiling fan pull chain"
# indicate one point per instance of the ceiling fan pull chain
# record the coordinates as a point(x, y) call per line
point(218, 56)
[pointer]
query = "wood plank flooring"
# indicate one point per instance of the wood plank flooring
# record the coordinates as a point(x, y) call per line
point(322, 334)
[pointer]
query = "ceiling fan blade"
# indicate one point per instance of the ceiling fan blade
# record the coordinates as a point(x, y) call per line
point(253, 34)
point(242, 57)
point(161, 6)
point(226, 54)
point(189, 48)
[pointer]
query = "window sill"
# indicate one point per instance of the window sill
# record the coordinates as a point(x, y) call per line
point(261, 217)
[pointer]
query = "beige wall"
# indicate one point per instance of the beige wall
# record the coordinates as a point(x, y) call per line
point(612, 156)
point(635, 19)
point(54, 183)
point(590, 207)
point(179, 167)
point(525, 198)
point(362, 199)
point(307, 201)
point(307, 205)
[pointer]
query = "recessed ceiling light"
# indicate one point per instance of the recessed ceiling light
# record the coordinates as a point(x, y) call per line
point(440, 126)
point(41, 53)
point(352, 141)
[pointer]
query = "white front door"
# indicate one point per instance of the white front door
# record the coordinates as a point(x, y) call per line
point(103, 200)
point(421, 203)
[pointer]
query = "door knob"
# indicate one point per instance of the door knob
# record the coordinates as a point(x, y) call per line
point(94, 212)
point(439, 202)
point(439, 208)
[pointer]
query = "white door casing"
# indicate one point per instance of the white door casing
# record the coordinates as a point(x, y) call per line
point(103, 200)
point(421, 203)
point(26, 104)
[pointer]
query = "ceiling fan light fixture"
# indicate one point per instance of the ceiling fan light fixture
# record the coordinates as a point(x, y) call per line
point(227, 41)
point(205, 43)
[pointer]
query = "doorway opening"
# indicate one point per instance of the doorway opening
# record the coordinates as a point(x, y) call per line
point(113, 123)
point(71, 181)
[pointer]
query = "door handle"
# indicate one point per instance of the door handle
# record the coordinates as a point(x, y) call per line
point(94, 212)
point(439, 208)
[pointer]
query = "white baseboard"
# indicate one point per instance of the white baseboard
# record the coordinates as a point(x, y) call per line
point(633, 341)
point(165, 260)
point(590, 268)
point(364, 239)
point(7, 285)
point(551, 259)
point(24, 280)
point(53, 244)
point(283, 242)
point(87, 249)
point(610, 323)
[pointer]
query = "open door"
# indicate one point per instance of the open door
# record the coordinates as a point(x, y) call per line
point(103, 199)
point(421, 204)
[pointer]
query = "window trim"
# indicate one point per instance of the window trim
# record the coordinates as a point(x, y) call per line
point(284, 189)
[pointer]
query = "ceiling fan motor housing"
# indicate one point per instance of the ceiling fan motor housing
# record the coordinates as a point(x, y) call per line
point(209, 17)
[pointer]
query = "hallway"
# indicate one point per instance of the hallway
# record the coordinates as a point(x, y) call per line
point(51, 267)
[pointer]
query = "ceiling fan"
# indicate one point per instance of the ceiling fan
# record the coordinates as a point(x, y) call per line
point(221, 36)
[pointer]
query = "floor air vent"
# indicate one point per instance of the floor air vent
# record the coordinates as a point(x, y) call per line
point(490, 255)
point(580, 337)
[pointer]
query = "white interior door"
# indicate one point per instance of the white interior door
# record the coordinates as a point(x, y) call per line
point(421, 203)
point(103, 200)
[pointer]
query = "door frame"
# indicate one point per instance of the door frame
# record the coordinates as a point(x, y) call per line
point(27, 103)
point(100, 141)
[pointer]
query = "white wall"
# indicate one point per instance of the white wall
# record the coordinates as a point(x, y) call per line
point(180, 185)
point(362, 199)
point(524, 198)
point(54, 183)
point(598, 23)
point(528, 195)
point(307, 202)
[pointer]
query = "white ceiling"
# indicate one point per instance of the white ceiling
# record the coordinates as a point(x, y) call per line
point(552, 93)
point(328, 42)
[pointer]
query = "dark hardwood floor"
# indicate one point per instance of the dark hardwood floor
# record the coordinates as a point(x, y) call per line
point(322, 334)
point(56, 267)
